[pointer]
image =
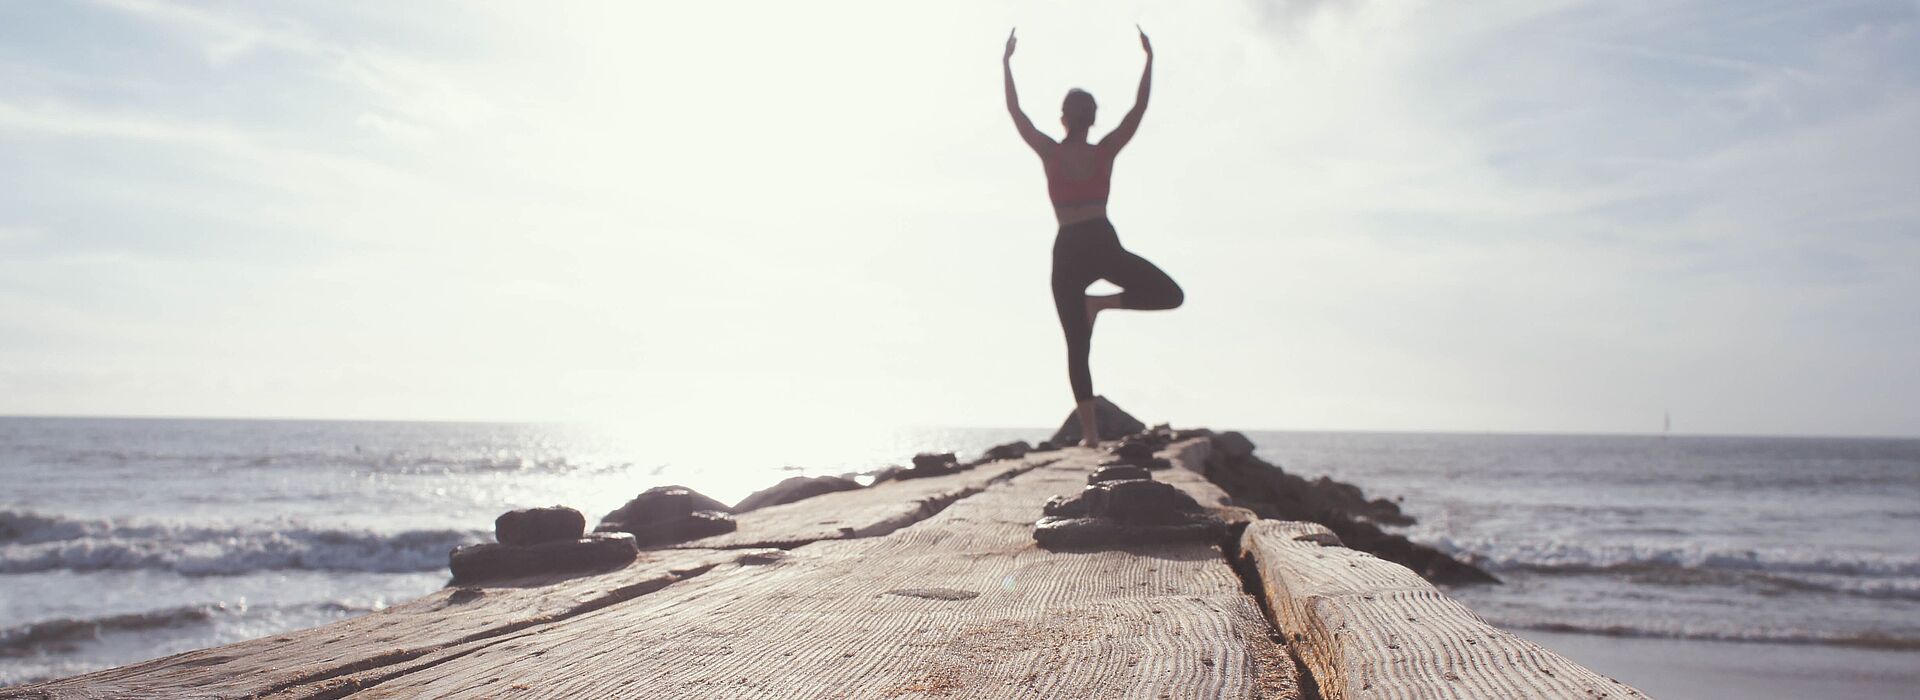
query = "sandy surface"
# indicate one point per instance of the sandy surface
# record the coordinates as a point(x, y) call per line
point(1676, 668)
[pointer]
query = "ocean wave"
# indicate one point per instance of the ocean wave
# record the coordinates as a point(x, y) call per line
point(33, 542)
point(1508, 554)
point(399, 461)
point(1868, 574)
point(64, 635)
point(1865, 640)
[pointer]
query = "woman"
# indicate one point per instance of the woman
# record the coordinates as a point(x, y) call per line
point(1087, 249)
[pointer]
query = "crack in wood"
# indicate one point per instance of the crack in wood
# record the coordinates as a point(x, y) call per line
point(397, 657)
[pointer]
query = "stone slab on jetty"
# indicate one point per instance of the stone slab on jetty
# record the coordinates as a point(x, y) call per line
point(927, 588)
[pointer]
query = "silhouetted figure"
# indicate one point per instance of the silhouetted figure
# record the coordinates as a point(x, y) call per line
point(1087, 249)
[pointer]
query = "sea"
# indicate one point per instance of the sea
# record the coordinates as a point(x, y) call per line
point(128, 539)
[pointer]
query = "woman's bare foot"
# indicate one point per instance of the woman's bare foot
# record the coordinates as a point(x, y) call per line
point(1089, 424)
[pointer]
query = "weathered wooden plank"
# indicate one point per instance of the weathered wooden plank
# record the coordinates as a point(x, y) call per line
point(868, 512)
point(397, 636)
point(959, 605)
point(1369, 628)
point(1190, 458)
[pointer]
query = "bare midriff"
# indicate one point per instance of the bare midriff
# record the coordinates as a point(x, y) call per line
point(1070, 214)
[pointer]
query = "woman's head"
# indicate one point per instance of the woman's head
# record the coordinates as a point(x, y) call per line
point(1076, 112)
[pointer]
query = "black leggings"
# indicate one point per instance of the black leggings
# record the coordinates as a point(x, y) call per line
point(1088, 251)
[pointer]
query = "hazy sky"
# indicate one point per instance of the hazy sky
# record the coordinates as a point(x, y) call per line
point(1510, 216)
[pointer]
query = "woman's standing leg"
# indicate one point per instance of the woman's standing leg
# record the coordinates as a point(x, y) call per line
point(1073, 270)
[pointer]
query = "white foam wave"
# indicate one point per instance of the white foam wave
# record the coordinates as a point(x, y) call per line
point(1868, 640)
point(32, 542)
point(1577, 556)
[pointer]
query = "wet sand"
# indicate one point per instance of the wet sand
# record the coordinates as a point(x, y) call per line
point(1681, 668)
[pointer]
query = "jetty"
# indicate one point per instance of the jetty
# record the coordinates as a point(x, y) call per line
point(915, 588)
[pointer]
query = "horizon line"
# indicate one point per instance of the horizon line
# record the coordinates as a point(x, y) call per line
point(1377, 431)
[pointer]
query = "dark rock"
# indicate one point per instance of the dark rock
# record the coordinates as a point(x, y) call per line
point(1011, 450)
point(1134, 452)
point(664, 502)
point(1159, 463)
point(669, 515)
point(1343, 508)
point(930, 460)
point(1142, 501)
point(1117, 472)
point(1153, 441)
point(1100, 533)
point(1065, 507)
point(794, 489)
point(537, 525)
point(928, 464)
point(1046, 446)
point(1386, 512)
point(1430, 563)
point(1113, 423)
point(489, 562)
point(1233, 445)
point(888, 473)
point(1125, 512)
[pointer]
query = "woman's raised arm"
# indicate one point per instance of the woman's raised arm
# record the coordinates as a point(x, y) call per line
point(1028, 133)
point(1124, 132)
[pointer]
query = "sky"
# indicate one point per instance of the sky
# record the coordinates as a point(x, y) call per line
point(1530, 216)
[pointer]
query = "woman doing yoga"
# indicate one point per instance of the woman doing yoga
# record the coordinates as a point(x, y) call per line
point(1087, 249)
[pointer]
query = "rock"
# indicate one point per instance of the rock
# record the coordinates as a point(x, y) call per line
point(1343, 508)
point(490, 561)
point(1065, 507)
point(537, 525)
point(1386, 512)
point(928, 464)
point(1117, 472)
point(1045, 446)
point(1098, 533)
point(1011, 450)
point(794, 489)
point(1233, 445)
point(669, 515)
point(1123, 512)
point(1133, 452)
point(1113, 422)
point(1141, 501)
point(933, 460)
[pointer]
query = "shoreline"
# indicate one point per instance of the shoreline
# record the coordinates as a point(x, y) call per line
point(437, 644)
point(1315, 460)
point(1687, 668)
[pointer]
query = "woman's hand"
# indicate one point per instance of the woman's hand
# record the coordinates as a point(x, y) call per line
point(1145, 45)
point(1011, 41)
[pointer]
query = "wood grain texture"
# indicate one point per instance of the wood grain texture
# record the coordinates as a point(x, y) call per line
point(859, 513)
point(1369, 628)
point(396, 636)
point(937, 591)
point(854, 619)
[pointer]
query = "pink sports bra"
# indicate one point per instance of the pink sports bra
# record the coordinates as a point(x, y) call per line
point(1092, 190)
